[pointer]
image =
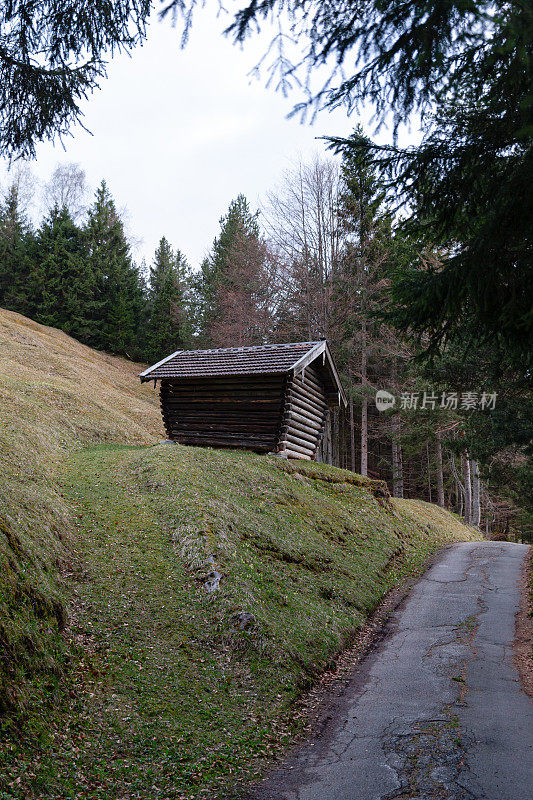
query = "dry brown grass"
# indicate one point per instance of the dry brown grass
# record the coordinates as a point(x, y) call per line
point(56, 395)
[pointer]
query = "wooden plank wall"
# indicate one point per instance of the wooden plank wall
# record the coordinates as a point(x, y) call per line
point(243, 411)
point(303, 415)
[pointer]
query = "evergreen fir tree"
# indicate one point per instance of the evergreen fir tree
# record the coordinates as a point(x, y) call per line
point(16, 255)
point(167, 324)
point(231, 290)
point(63, 280)
point(119, 297)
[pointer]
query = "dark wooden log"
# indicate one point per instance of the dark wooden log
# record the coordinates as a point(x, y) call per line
point(222, 408)
point(233, 422)
point(197, 412)
point(311, 423)
point(302, 428)
point(241, 386)
point(300, 456)
point(298, 396)
point(224, 405)
point(240, 390)
point(296, 448)
point(310, 391)
point(230, 445)
point(223, 435)
point(315, 374)
point(234, 379)
point(303, 412)
point(309, 379)
point(260, 398)
point(308, 435)
point(201, 430)
point(219, 436)
point(307, 397)
point(230, 430)
point(301, 443)
point(221, 385)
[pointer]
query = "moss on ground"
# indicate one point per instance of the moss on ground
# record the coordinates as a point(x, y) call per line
point(156, 687)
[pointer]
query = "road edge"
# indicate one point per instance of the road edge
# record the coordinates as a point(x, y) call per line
point(523, 638)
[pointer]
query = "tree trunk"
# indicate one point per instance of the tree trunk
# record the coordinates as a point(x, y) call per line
point(364, 406)
point(440, 476)
point(476, 494)
point(352, 436)
point(397, 459)
point(327, 438)
point(460, 493)
point(429, 473)
point(335, 437)
point(468, 487)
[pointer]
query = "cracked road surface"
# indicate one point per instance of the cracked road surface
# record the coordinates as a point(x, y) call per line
point(437, 710)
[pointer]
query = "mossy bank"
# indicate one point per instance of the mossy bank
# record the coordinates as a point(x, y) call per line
point(163, 606)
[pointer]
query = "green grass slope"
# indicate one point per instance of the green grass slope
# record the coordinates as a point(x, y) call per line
point(122, 675)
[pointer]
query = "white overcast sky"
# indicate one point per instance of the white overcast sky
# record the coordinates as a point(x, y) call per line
point(178, 133)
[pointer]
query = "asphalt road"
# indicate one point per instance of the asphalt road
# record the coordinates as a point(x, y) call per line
point(437, 710)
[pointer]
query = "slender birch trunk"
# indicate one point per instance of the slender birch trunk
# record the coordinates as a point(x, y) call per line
point(460, 493)
point(327, 436)
point(440, 476)
point(476, 493)
point(429, 473)
point(468, 487)
point(335, 438)
point(352, 435)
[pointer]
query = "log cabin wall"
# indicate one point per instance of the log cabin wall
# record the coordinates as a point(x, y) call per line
point(267, 398)
point(304, 413)
point(236, 411)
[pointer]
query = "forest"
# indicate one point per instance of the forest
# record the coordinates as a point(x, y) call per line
point(324, 257)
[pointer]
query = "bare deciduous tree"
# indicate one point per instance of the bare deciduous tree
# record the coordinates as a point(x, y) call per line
point(302, 222)
point(67, 188)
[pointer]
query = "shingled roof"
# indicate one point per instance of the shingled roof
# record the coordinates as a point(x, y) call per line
point(262, 360)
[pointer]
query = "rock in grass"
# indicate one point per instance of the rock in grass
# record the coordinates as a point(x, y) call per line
point(213, 581)
point(244, 621)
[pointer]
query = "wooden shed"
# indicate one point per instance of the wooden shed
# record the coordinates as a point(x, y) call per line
point(271, 398)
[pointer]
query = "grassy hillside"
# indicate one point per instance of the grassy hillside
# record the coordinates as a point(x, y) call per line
point(55, 396)
point(122, 675)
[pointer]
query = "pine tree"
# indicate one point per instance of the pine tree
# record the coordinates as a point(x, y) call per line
point(16, 255)
point(119, 297)
point(232, 290)
point(52, 56)
point(63, 280)
point(359, 283)
point(167, 323)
